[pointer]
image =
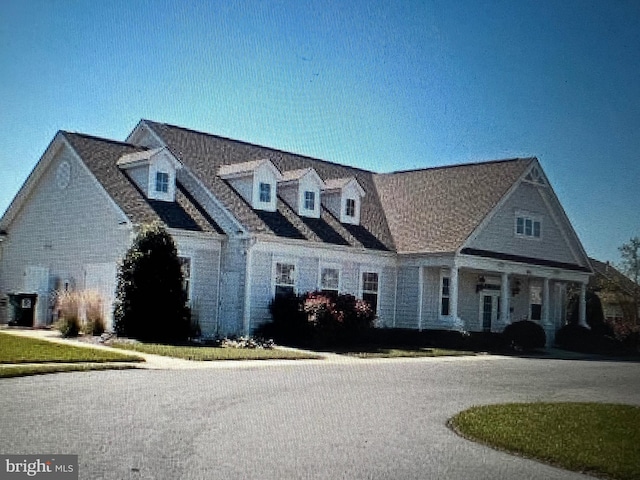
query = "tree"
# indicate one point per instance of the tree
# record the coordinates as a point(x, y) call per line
point(150, 299)
point(630, 253)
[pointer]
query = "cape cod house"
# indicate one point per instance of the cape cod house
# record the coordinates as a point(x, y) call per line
point(471, 246)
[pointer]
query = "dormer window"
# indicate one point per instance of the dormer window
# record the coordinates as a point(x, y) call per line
point(309, 200)
point(300, 189)
point(255, 181)
point(162, 182)
point(350, 208)
point(153, 171)
point(343, 198)
point(265, 192)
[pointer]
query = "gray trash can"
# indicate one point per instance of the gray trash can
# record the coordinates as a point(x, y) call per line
point(23, 306)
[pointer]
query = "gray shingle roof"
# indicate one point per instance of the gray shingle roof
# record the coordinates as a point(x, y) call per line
point(203, 154)
point(436, 209)
point(100, 157)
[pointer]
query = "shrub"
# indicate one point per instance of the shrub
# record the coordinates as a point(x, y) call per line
point(67, 305)
point(581, 339)
point(91, 304)
point(318, 319)
point(68, 326)
point(525, 335)
point(150, 299)
point(626, 333)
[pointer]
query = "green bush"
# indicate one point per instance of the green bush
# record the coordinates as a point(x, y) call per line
point(581, 339)
point(150, 301)
point(525, 335)
point(68, 326)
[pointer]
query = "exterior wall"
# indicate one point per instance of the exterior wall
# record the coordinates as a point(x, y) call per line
point(62, 230)
point(407, 297)
point(499, 234)
point(140, 176)
point(160, 163)
point(244, 186)
point(332, 202)
point(264, 174)
point(289, 193)
point(307, 260)
point(232, 286)
point(205, 255)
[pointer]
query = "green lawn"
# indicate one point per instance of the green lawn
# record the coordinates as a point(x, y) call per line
point(7, 371)
point(214, 353)
point(18, 349)
point(598, 439)
point(384, 352)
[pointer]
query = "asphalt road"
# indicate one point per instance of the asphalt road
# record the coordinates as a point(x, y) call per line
point(323, 420)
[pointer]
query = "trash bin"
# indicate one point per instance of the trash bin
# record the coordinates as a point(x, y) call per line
point(23, 306)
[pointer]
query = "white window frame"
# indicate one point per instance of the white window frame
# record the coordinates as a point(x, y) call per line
point(309, 200)
point(361, 289)
point(332, 266)
point(444, 274)
point(162, 182)
point(350, 212)
point(528, 217)
point(538, 289)
point(274, 274)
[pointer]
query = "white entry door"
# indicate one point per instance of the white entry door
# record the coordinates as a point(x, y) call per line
point(489, 309)
point(36, 280)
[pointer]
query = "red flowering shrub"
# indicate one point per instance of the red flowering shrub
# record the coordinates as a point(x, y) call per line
point(318, 319)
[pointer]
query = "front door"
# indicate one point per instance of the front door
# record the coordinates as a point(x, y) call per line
point(489, 309)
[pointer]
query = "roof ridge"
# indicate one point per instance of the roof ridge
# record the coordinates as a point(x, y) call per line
point(244, 142)
point(102, 139)
point(458, 165)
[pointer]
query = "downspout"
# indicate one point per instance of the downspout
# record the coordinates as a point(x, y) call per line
point(420, 290)
point(217, 329)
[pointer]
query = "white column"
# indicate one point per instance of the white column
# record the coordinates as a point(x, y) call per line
point(582, 318)
point(453, 295)
point(545, 301)
point(504, 299)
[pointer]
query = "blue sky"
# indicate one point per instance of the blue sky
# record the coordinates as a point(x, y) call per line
point(378, 85)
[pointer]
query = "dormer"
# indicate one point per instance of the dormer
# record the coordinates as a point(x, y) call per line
point(301, 190)
point(343, 198)
point(153, 171)
point(255, 181)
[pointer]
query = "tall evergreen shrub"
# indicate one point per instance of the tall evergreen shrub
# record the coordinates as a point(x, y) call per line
point(150, 300)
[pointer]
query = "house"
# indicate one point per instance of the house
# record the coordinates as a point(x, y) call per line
point(472, 246)
point(619, 295)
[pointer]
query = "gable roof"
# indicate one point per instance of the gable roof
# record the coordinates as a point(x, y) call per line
point(605, 272)
point(203, 154)
point(434, 210)
point(101, 157)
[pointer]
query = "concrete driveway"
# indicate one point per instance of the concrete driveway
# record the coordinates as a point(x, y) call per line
point(322, 420)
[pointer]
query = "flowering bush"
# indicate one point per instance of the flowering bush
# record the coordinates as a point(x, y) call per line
point(318, 319)
point(626, 333)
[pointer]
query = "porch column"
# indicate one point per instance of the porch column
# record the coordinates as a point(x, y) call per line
point(453, 295)
point(582, 318)
point(545, 301)
point(504, 299)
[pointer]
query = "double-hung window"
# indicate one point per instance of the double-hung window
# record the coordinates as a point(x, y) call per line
point(535, 299)
point(309, 200)
point(185, 267)
point(285, 278)
point(265, 192)
point(444, 296)
point(370, 289)
point(329, 280)
point(350, 210)
point(162, 182)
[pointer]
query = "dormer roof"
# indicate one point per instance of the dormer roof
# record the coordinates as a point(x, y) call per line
point(243, 169)
point(334, 184)
point(291, 176)
point(130, 160)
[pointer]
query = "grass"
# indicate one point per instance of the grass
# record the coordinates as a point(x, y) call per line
point(598, 439)
point(384, 352)
point(18, 349)
point(7, 371)
point(203, 353)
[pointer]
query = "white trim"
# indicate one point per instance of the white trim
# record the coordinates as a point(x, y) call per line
point(420, 295)
point(496, 308)
point(444, 273)
point(284, 260)
point(370, 269)
point(246, 317)
point(327, 265)
point(533, 218)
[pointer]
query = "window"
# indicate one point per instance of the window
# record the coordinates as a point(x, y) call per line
point(185, 267)
point(285, 281)
point(310, 200)
point(350, 210)
point(265, 192)
point(528, 226)
point(370, 289)
point(535, 298)
point(330, 279)
point(162, 182)
point(444, 297)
